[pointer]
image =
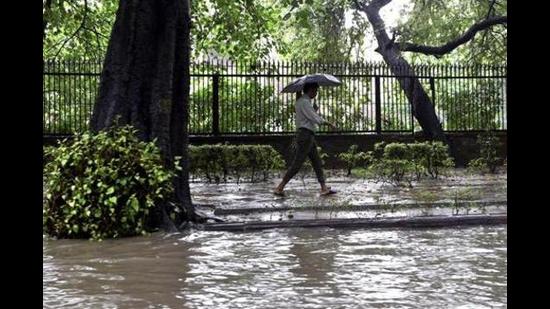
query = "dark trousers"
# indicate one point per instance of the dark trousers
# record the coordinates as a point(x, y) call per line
point(305, 147)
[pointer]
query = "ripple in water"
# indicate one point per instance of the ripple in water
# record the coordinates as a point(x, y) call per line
point(283, 268)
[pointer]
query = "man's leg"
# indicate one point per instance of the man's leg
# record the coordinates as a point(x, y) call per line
point(304, 142)
point(317, 166)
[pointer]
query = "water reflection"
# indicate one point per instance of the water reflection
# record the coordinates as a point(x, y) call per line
point(282, 268)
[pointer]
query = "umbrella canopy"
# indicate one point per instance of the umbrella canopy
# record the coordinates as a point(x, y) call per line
point(319, 78)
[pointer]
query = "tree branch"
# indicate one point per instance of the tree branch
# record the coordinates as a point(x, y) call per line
point(491, 9)
point(378, 3)
point(489, 13)
point(358, 6)
point(77, 30)
point(450, 46)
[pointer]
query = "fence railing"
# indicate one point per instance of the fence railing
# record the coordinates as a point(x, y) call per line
point(244, 98)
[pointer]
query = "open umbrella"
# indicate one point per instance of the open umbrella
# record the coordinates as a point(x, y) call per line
point(319, 78)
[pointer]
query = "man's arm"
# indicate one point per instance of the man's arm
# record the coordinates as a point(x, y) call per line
point(310, 114)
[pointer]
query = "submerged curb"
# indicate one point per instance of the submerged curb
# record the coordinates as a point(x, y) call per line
point(366, 207)
point(409, 222)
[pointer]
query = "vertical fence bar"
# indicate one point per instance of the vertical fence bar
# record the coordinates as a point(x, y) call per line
point(72, 86)
point(45, 105)
point(377, 105)
point(242, 96)
point(257, 82)
point(81, 82)
point(215, 104)
point(481, 94)
point(470, 90)
point(76, 102)
point(505, 100)
point(204, 108)
point(237, 128)
point(222, 92)
point(88, 94)
point(452, 103)
point(488, 95)
point(61, 102)
point(229, 100)
point(67, 87)
point(61, 98)
point(432, 89)
point(275, 90)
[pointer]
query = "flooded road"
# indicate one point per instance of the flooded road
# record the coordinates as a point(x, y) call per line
point(282, 268)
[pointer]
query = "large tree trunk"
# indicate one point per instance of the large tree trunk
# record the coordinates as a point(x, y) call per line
point(145, 81)
point(422, 106)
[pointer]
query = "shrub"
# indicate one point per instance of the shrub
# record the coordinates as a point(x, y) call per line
point(488, 159)
point(353, 158)
point(399, 162)
point(218, 162)
point(103, 185)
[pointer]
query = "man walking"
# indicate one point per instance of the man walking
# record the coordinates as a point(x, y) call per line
point(307, 122)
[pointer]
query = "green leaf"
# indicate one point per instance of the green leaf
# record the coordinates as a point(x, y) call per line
point(134, 204)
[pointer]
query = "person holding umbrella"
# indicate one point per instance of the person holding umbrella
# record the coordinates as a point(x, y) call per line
point(307, 122)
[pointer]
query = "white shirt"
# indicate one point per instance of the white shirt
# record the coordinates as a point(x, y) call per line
point(306, 117)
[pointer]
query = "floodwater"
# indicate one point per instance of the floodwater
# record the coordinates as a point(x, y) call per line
point(282, 268)
point(352, 192)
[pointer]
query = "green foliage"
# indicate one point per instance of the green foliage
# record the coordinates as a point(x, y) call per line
point(103, 185)
point(77, 31)
point(395, 171)
point(219, 162)
point(436, 22)
point(488, 160)
point(353, 158)
point(398, 162)
point(238, 112)
point(430, 158)
point(237, 29)
point(315, 30)
point(473, 105)
point(297, 30)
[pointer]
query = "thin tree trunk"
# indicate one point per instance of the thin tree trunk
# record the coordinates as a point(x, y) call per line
point(145, 81)
point(421, 104)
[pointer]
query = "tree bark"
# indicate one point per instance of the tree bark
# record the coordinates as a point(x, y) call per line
point(145, 82)
point(421, 104)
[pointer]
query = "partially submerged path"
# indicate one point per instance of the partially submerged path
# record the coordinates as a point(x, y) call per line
point(460, 199)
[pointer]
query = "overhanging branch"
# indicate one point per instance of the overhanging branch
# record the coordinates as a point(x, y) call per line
point(76, 32)
point(450, 46)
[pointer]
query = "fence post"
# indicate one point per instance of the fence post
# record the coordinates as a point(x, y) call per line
point(432, 88)
point(377, 105)
point(215, 104)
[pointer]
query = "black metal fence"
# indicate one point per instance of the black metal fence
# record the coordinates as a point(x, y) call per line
point(244, 98)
